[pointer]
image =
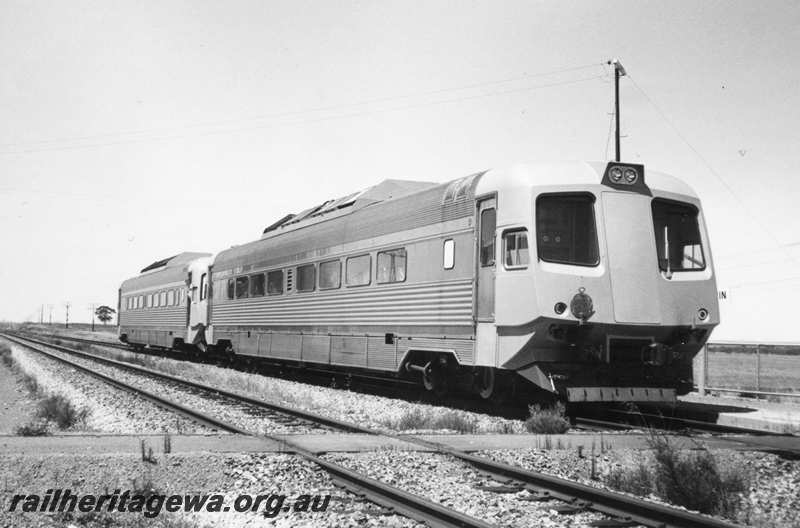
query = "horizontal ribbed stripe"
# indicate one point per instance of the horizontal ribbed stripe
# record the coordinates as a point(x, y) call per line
point(431, 303)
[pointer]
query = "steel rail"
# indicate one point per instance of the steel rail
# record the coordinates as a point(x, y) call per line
point(622, 507)
point(297, 413)
point(395, 499)
point(688, 423)
point(158, 400)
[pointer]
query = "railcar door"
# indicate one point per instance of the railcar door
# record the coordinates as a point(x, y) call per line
point(487, 225)
point(198, 306)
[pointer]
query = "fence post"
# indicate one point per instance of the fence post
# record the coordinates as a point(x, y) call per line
point(758, 367)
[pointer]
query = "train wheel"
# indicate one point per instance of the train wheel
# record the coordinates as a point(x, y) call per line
point(435, 380)
point(485, 382)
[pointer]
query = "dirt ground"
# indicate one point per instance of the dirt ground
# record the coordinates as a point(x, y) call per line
point(16, 406)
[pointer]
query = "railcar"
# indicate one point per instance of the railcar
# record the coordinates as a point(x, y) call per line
point(587, 281)
point(165, 306)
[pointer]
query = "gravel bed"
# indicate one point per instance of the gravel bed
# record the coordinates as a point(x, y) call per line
point(453, 483)
point(200, 473)
point(110, 410)
point(377, 412)
point(244, 416)
point(771, 500)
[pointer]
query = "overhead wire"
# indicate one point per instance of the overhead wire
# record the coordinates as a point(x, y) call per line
point(298, 122)
point(712, 170)
point(293, 113)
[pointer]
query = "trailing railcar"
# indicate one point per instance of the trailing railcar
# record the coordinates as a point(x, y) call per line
point(165, 306)
point(586, 280)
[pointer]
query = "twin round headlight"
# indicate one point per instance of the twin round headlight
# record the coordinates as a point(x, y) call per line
point(624, 176)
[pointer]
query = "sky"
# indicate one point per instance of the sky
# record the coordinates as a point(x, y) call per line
point(131, 131)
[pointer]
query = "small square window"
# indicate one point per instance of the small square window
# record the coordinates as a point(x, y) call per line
point(330, 275)
point(275, 282)
point(391, 266)
point(306, 277)
point(515, 249)
point(358, 270)
point(242, 287)
point(257, 285)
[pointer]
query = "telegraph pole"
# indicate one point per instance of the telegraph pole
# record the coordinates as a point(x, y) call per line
point(50, 308)
point(619, 71)
point(66, 322)
point(92, 308)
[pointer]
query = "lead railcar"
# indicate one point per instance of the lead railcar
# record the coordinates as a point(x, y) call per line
point(590, 281)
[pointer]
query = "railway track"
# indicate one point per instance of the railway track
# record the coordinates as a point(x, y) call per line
point(621, 510)
point(390, 497)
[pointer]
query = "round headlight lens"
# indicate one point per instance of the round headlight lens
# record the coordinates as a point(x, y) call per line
point(560, 308)
point(631, 176)
point(702, 314)
point(615, 174)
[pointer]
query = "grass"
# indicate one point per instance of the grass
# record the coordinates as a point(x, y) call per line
point(690, 479)
point(59, 410)
point(416, 419)
point(736, 369)
point(5, 356)
point(547, 420)
point(36, 428)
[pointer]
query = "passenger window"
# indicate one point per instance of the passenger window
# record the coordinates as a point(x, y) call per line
point(230, 288)
point(488, 226)
point(203, 286)
point(330, 275)
point(141, 301)
point(242, 286)
point(149, 300)
point(275, 282)
point(515, 249)
point(257, 285)
point(155, 300)
point(358, 270)
point(449, 254)
point(391, 266)
point(170, 297)
point(306, 277)
point(163, 298)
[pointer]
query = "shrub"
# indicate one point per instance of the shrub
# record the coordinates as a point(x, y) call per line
point(38, 428)
point(547, 420)
point(30, 383)
point(60, 410)
point(5, 355)
point(692, 480)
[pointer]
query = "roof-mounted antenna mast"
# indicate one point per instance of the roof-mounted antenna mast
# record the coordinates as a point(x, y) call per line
point(619, 71)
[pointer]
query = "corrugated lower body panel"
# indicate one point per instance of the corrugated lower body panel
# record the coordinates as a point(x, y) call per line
point(316, 348)
point(349, 350)
point(286, 346)
point(464, 349)
point(381, 356)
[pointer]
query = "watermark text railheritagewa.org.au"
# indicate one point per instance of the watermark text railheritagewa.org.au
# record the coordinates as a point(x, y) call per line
point(151, 505)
